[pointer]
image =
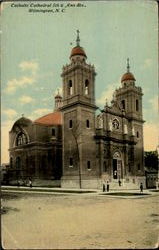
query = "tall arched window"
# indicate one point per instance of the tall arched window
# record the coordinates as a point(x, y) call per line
point(137, 105)
point(70, 87)
point(21, 139)
point(123, 104)
point(18, 162)
point(11, 162)
point(86, 87)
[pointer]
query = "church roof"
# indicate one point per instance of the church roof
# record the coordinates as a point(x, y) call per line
point(23, 121)
point(78, 51)
point(54, 118)
point(128, 76)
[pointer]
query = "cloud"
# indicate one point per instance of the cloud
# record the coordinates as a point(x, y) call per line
point(10, 113)
point(29, 66)
point(154, 103)
point(107, 94)
point(40, 112)
point(150, 136)
point(26, 99)
point(24, 81)
point(5, 128)
point(13, 84)
point(147, 63)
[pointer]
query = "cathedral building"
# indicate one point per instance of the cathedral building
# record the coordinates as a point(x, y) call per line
point(76, 145)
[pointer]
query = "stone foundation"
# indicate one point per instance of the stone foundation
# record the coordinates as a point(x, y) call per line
point(127, 183)
point(74, 182)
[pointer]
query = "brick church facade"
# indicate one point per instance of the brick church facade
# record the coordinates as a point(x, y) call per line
point(76, 145)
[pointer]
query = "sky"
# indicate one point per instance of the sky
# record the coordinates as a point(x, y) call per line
point(36, 45)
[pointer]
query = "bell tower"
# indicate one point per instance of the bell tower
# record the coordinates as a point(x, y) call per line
point(129, 97)
point(78, 111)
point(78, 78)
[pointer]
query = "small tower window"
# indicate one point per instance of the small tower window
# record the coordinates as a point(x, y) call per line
point(70, 87)
point(53, 132)
point(88, 165)
point(123, 104)
point(70, 123)
point(86, 87)
point(137, 134)
point(71, 162)
point(138, 166)
point(137, 105)
point(87, 124)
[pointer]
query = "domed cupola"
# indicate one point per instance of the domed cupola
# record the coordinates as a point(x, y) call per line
point(78, 51)
point(58, 101)
point(128, 78)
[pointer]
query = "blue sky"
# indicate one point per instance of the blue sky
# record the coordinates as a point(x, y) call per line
point(35, 46)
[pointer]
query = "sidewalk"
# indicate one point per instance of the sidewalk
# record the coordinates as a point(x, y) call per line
point(46, 190)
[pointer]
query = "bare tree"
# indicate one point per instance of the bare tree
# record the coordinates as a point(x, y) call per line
point(76, 132)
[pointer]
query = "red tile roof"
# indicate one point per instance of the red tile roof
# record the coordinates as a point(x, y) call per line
point(78, 51)
point(128, 76)
point(54, 118)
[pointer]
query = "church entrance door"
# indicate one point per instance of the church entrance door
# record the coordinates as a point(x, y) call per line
point(117, 166)
point(115, 169)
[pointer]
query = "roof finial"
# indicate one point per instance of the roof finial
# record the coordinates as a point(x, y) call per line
point(22, 115)
point(128, 66)
point(78, 39)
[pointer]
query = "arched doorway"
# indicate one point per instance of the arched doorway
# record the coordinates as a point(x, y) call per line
point(117, 166)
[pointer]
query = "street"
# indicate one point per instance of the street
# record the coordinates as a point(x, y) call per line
point(83, 221)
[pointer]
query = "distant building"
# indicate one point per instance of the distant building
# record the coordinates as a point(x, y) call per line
point(93, 147)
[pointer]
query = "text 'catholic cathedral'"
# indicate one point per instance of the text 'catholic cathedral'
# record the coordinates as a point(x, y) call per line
point(74, 144)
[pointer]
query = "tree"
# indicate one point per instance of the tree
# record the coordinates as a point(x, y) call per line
point(151, 159)
point(76, 132)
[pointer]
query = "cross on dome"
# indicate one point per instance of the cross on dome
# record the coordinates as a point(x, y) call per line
point(128, 65)
point(78, 39)
point(78, 50)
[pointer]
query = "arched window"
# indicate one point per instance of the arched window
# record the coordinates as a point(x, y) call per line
point(87, 123)
point(18, 162)
point(86, 87)
point(53, 132)
point(115, 124)
point(123, 104)
point(21, 139)
point(11, 162)
point(70, 124)
point(71, 162)
point(70, 87)
point(88, 165)
point(137, 134)
point(137, 105)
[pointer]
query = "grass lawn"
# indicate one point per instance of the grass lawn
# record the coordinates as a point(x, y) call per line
point(125, 194)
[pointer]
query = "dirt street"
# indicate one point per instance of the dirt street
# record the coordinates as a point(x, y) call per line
point(86, 221)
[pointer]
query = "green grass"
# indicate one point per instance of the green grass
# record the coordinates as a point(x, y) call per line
point(125, 194)
point(47, 190)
